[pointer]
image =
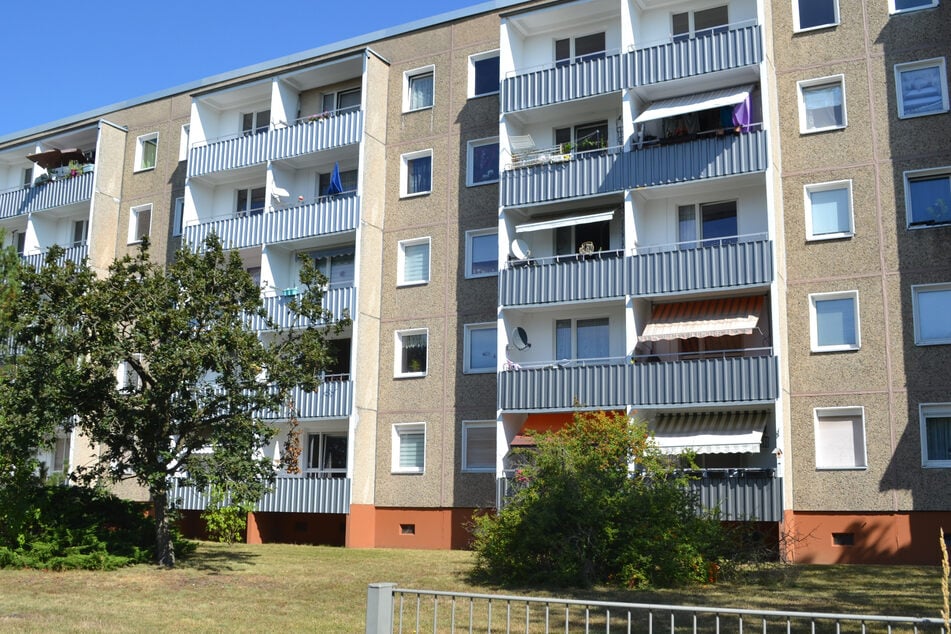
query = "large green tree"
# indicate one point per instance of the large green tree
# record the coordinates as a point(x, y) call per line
point(195, 382)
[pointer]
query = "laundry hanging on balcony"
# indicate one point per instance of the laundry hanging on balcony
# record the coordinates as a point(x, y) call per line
point(710, 432)
point(736, 96)
point(336, 186)
point(708, 318)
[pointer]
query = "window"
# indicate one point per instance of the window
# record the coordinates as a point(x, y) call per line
point(932, 305)
point(183, 143)
point(19, 238)
point(903, 6)
point(337, 266)
point(705, 22)
point(127, 379)
point(348, 179)
point(935, 434)
point(56, 458)
point(840, 438)
point(585, 137)
point(326, 455)
point(829, 210)
point(478, 446)
point(412, 262)
point(409, 448)
point(585, 48)
point(418, 89)
point(482, 253)
point(582, 339)
point(416, 173)
point(255, 122)
point(146, 150)
point(922, 88)
point(412, 348)
point(483, 74)
point(928, 197)
point(480, 348)
point(834, 321)
point(249, 201)
point(815, 14)
point(482, 161)
point(27, 177)
point(822, 104)
point(177, 216)
point(713, 223)
point(344, 100)
point(140, 222)
point(80, 232)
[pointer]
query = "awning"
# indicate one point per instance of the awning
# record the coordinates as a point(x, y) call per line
point(694, 102)
point(709, 318)
point(568, 221)
point(709, 432)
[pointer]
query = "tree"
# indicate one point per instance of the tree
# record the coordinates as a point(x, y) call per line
point(580, 515)
point(195, 382)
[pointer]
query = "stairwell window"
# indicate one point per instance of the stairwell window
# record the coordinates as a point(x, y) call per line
point(418, 88)
point(834, 321)
point(484, 74)
point(177, 215)
point(814, 14)
point(412, 262)
point(922, 88)
point(416, 173)
point(412, 353)
point(480, 348)
point(482, 253)
point(822, 104)
point(482, 162)
point(140, 222)
point(840, 438)
point(478, 446)
point(409, 448)
point(829, 210)
point(935, 420)
point(932, 305)
point(928, 197)
point(146, 151)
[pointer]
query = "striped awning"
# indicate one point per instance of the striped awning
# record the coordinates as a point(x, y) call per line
point(710, 432)
point(708, 318)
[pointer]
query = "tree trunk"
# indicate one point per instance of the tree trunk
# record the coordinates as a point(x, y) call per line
point(164, 548)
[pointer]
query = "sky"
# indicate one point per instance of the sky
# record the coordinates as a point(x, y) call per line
point(65, 59)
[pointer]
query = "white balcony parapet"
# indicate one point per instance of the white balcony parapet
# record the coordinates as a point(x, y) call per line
point(75, 254)
point(289, 494)
point(338, 301)
point(58, 193)
point(332, 399)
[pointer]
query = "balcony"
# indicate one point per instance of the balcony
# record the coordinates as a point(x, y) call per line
point(289, 494)
point(280, 141)
point(614, 170)
point(649, 271)
point(332, 399)
point(738, 47)
point(58, 193)
point(74, 254)
point(235, 232)
point(338, 301)
point(618, 383)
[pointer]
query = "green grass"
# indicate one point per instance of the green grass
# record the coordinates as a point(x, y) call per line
point(284, 588)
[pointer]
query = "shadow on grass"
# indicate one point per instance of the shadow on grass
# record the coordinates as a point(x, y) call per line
point(217, 559)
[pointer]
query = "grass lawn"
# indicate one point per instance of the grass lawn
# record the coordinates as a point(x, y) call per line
point(284, 588)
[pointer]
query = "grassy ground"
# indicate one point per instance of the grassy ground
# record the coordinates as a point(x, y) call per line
point(283, 588)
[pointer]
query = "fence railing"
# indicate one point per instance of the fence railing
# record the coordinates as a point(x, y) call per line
point(392, 609)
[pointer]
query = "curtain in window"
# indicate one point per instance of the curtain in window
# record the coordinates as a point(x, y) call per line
point(563, 339)
point(480, 447)
point(149, 148)
point(939, 437)
point(592, 336)
point(823, 106)
point(414, 353)
point(835, 322)
point(921, 91)
point(416, 263)
point(930, 199)
point(830, 211)
point(421, 91)
point(420, 174)
point(412, 448)
point(482, 353)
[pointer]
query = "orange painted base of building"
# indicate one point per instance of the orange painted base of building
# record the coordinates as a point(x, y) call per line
point(427, 529)
point(866, 538)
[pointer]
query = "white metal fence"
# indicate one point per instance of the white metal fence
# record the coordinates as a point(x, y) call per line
point(392, 609)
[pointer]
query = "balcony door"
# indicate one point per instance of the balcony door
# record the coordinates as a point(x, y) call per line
point(582, 338)
point(706, 224)
point(327, 455)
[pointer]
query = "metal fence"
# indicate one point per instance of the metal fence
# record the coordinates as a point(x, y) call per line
point(392, 609)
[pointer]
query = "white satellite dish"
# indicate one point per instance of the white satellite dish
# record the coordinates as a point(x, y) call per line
point(520, 250)
point(520, 338)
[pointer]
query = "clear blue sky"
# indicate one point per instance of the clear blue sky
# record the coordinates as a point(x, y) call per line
point(64, 59)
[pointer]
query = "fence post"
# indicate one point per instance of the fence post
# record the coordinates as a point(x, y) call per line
point(380, 608)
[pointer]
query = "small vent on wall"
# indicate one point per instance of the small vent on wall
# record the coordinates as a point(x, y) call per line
point(407, 529)
point(843, 539)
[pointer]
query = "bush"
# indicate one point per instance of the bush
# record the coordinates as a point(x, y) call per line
point(581, 516)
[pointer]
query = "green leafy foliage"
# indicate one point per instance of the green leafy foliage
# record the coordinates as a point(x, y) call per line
point(225, 519)
point(595, 503)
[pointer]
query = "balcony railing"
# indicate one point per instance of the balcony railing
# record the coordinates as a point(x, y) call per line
point(280, 141)
point(64, 191)
point(613, 170)
point(566, 385)
point(338, 301)
point(325, 216)
point(332, 399)
point(722, 264)
point(738, 494)
point(739, 46)
point(74, 254)
point(290, 494)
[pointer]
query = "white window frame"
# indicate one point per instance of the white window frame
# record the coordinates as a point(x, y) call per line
point(183, 142)
point(405, 160)
point(140, 151)
point(134, 222)
point(925, 411)
point(934, 62)
point(828, 412)
point(912, 175)
point(893, 11)
point(408, 77)
point(799, 29)
point(467, 347)
point(470, 236)
point(916, 292)
point(397, 438)
point(478, 424)
point(177, 216)
point(398, 372)
point(823, 187)
point(478, 57)
point(401, 261)
point(819, 82)
point(814, 324)
point(470, 161)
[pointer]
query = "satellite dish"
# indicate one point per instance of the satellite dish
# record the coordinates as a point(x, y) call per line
point(520, 338)
point(520, 250)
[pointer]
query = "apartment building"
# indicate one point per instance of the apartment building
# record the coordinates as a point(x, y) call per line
point(530, 208)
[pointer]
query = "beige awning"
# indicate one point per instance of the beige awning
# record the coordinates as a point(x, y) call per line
point(710, 432)
point(694, 102)
point(564, 221)
point(708, 318)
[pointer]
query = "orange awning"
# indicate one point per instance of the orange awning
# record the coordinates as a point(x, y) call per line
point(708, 318)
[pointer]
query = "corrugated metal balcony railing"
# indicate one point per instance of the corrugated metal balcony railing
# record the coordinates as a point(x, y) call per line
point(290, 494)
point(325, 216)
point(65, 191)
point(737, 47)
point(741, 262)
point(72, 254)
point(567, 385)
point(338, 301)
point(332, 399)
point(612, 170)
point(304, 137)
